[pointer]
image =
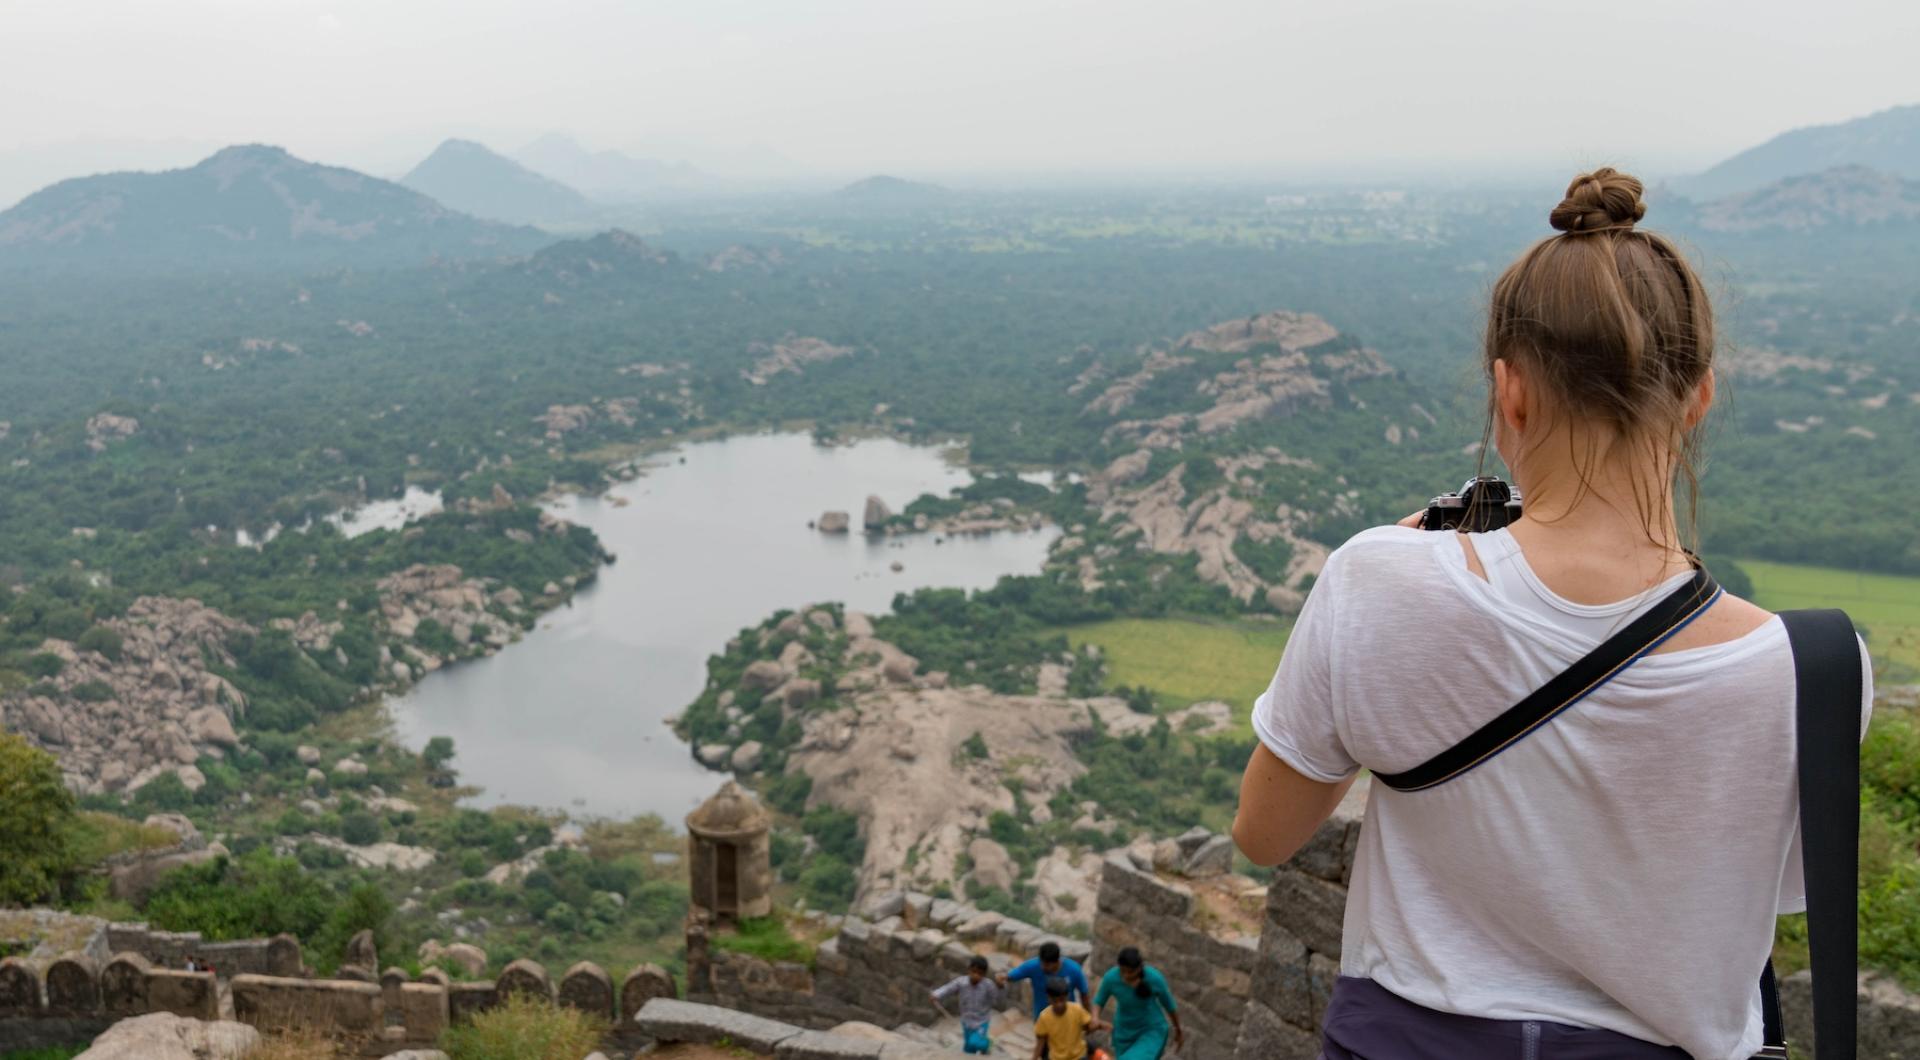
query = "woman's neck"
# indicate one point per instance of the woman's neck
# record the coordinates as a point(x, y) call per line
point(1601, 522)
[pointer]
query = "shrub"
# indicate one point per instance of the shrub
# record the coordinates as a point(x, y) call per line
point(976, 746)
point(36, 823)
point(523, 1028)
point(438, 752)
point(360, 828)
point(165, 792)
point(94, 691)
point(765, 937)
point(103, 640)
point(45, 664)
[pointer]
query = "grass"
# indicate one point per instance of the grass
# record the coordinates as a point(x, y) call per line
point(525, 1029)
point(51, 1052)
point(767, 938)
point(102, 835)
point(1887, 606)
point(1187, 660)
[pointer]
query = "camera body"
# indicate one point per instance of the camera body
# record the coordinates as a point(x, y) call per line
point(1483, 503)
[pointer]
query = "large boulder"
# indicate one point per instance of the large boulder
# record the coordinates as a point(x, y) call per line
point(877, 514)
point(993, 867)
point(471, 960)
point(165, 1036)
point(833, 522)
point(762, 674)
point(210, 725)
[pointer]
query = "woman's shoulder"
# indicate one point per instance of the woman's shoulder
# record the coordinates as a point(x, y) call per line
point(1384, 558)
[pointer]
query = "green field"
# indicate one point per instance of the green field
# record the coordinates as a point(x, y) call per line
point(1186, 660)
point(1887, 606)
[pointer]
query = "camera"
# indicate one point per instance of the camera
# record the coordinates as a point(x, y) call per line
point(1483, 503)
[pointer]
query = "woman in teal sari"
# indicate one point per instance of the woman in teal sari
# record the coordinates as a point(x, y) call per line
point(1143, 1007)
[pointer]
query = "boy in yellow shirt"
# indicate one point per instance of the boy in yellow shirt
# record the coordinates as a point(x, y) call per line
point(1061, 1031)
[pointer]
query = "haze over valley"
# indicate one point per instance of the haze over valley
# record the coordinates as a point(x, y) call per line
point(437, 501)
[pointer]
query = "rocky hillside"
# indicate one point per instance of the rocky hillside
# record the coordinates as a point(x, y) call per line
point(1208, 428)
point(1888, 140)
point(473, 179)
point(946, 776)
point(1846, 196)
point(252, 205)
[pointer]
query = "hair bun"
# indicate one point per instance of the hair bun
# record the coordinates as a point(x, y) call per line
point(1602, 200)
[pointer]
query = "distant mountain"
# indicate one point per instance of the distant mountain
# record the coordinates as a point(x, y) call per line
point(247, 206)
point(1845, 195)
point(1888, 141)
point(469, 177)
point(609, 175)
point(893, 190)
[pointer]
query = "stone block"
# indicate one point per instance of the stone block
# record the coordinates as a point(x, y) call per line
point(19, 990)
point(667, 1020)
point(391, 981)
point(464, 1000)
point(589, 988)
point(943, 913)
point(1309, 908)
point(123, 985)
point(926, 943)
point(1213, 858)
point(525, 976)
point(1280, 976)
point(907, 1049)
point(283, 956)
point(818, 1045)
point(423, 1011)
point(881, 904)
point(436, 976)
point(1265, 1036)
point(914, 908)
point(72, 987)
point(855, 931)
point(1321, 975)
point(346, 1009)
point(191, 994)
point(1151, 895)
point(980, 927)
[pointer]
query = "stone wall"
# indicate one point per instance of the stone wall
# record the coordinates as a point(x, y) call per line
point(1209, 963)
point(1299, 956)
point(878, 967)
point(73, 998)
point(279, 955)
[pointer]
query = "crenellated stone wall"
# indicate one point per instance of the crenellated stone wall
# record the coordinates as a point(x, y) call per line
point(279, 955)
point(75, 997)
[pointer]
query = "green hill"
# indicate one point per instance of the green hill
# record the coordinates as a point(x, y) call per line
point(1888, 140)
point(469, 177)
point(245, 207)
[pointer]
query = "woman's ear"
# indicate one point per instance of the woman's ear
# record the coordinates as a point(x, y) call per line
point(1702, 401)
point(1510, 395)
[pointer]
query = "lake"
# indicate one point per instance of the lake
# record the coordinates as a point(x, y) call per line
point(711, 540)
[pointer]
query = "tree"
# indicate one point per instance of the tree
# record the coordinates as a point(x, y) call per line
point(36, 823)
point(438, 752)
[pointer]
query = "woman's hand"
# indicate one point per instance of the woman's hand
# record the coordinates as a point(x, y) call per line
point(1179, 1039)
point(1412, 522)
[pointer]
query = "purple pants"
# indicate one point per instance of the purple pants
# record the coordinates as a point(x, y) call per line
point(1365, 1021)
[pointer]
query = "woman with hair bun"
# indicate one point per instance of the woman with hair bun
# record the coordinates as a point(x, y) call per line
point(1606, 886)
point(1142, 1006)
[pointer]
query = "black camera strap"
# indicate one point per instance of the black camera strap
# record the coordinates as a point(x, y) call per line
point(1827, 684)
point(1578, 681)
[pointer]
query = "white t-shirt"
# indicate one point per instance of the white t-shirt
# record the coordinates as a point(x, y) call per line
point(1621, 867)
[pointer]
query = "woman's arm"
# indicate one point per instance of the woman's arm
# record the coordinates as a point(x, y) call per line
point(1279, 809)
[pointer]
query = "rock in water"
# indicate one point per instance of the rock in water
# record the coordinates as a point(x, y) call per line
point(165, 1036)
point(877, 514)
point(833, 522)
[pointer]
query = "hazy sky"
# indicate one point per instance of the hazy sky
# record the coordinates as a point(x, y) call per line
point(947, 89)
